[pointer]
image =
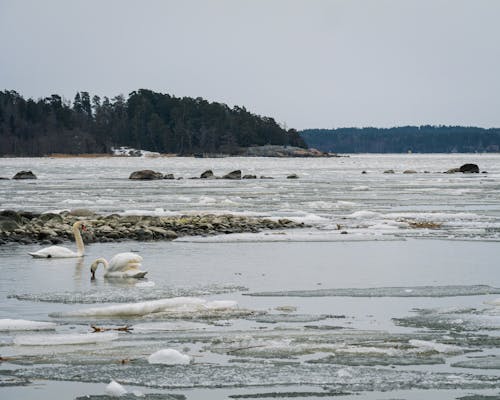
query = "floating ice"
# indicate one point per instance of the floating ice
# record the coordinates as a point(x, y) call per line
point(65, 339)
point(169, 357)
point(488, 362)
point(168, 326)
point(425, 345)
point(25, 325)
point(173, 306)
point(115, 389)
point(263, 374)
point(412, 291)
point(141, 291)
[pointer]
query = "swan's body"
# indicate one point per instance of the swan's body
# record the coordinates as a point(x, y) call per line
point(122, 265)
point(64, 252)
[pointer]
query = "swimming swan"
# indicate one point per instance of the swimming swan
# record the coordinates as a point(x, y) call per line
point(122, 265)
point(63, 252)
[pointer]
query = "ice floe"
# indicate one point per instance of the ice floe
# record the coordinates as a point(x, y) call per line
point(181, 305)
point(408, 291)
point(25, 325)
point(65, 339)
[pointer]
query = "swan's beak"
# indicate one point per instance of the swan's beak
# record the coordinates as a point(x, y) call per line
point(93, 274)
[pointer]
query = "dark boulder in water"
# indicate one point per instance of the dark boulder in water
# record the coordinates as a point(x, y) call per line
point(24, 175)
point(233, 175)
point(249, 177)
point(208, 174)
point(469, 169)
point(292, 176)
point(466, 169)
point(145, 174)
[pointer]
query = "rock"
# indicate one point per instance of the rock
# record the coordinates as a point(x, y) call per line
point(2, 178)
point(469, 169)
point(233, 175)
point(51, 217)
point(466, 169)
point(145, 174)
point(266, 177)
point(389, 171)
point(363, 172)
point(11, 214)
point(8, 225)
point(208, 174)
point(81, 212)
point(24, 175)
point(168, 176)
point(292, 176)
point(249, 177)
point(410, 171)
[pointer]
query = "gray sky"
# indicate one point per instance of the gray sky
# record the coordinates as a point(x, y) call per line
point(308, 63)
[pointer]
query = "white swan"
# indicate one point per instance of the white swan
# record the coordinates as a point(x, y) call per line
point(122, 265)
point(63, 252)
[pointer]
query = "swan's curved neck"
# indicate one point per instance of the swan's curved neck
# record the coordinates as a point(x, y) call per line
point(78, 240)
point(102, 261)
point(96, 263)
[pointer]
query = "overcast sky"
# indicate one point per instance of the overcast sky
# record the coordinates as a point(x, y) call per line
point(307, 63)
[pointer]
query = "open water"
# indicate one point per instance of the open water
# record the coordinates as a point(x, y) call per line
point(403, 305)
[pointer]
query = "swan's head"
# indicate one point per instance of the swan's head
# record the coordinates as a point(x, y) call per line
point(80, 224)
point(93, 268)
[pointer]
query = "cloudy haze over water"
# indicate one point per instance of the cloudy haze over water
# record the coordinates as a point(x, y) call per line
point(308, 63)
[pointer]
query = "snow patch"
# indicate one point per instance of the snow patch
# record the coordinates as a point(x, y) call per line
point(169, 357)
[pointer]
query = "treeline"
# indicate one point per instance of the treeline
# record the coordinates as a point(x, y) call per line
point(145, 120)
point(417, 139)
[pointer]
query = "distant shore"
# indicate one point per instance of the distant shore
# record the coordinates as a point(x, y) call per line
point(28, 228)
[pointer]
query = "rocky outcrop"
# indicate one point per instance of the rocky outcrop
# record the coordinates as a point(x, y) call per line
point(145, 175)
point(168, 176)
point(469, 169)
point(292, 176)
point(389, 171)
point(283, 151)
point(56, 228)
point(466, 169)
point(249, 177)
point(208, 174)
point(409, 171)
point(24, 175)
point(233, 175)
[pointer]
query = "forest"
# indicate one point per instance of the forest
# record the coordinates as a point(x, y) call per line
point(416, 139)
point(144, 120)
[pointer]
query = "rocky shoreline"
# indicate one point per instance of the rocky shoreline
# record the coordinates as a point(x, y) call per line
point(28, 228)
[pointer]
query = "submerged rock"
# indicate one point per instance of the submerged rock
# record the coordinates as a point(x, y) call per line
point(145, 174)
point(292, 176)
point(249, 177)
point(24, 175)
point(389, 171)
point(409, 171)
